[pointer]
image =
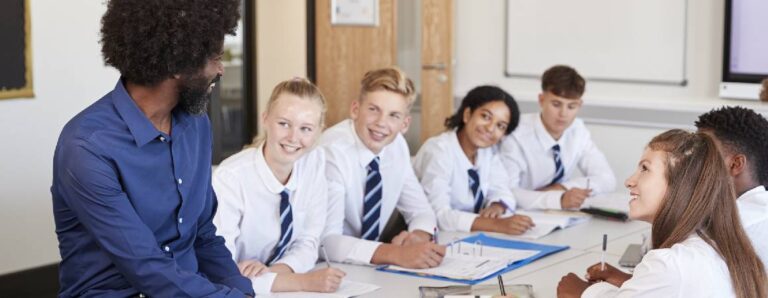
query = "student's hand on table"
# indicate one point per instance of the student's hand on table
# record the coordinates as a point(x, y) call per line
point(252, 268)
point(571, 286)
point(495, 210)
point(516, 224)
point(574, 197)
point(408, 238)
point(324, 280)
point(611, 275)
point(420, 256)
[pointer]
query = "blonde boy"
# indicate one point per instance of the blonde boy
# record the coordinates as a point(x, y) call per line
point(369, 175)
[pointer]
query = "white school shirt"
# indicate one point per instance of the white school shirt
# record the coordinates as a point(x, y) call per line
point(753, 210)
point(347, 158)
point(691, 268)
point(528, 157)
point(249, 205)
point(442, 166)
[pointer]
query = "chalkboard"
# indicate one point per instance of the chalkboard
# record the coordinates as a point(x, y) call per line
point(15, 49)
point(633, 41)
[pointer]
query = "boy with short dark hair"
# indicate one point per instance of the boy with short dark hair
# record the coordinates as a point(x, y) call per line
point(542, 155)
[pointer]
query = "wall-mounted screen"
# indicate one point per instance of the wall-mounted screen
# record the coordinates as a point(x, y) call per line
point(745, 48)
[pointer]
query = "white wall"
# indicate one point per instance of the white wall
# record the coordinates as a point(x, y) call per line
point(68, 75)
point(480, 52)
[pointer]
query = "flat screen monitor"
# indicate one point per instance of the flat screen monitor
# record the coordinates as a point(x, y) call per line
point(745, 49)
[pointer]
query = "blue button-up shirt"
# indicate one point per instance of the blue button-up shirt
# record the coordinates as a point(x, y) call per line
point(134, 206)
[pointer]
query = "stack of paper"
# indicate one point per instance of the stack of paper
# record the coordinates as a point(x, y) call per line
point(472, 261)
point(548, 221)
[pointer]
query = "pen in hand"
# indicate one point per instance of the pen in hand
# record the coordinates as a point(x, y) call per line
point(602, 255)
point(325, 256)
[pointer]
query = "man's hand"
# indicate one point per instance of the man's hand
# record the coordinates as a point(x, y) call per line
point(324, 280)
point(420, 256)
point(495, 210)
point(252, 268)
point(611, 275)
point(516, 224)
point(574, 198)
point(571, 286)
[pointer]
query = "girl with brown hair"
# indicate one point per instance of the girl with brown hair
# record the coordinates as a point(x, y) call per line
point(699, 246)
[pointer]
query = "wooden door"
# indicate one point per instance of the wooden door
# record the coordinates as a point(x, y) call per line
point(345, 53)
point(437, 66)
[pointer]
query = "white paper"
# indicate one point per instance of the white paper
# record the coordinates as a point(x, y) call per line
point(347, 288)
point(471, 261)
point(548, 221)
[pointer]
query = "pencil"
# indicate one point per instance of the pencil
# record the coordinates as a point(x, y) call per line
point(602, 255)
point(501, 286)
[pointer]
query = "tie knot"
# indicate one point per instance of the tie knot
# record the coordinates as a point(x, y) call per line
point(374, 164)
point(285, 194)
point(556, 148)
point(472, 174)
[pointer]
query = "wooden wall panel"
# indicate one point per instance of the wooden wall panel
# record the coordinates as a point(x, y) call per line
point(345, 53)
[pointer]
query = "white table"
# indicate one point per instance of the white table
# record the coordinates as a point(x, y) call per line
point(585, 241)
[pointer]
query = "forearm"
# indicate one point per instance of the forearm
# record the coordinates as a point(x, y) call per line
point(386, 254)
point(288, 282)
point(485, 224)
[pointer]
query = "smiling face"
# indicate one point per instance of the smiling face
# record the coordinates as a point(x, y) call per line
point(557, 113)
point(648, 185)
point(485, 126)
point(378, 117)
point(195, 89)
point(292, 126)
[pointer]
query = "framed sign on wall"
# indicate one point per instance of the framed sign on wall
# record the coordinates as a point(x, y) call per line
point(15, 50)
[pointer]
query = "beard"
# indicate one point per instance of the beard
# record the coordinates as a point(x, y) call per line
point(193, 93)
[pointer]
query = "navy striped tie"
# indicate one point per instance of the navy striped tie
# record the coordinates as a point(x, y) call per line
point(474, 185)
point(372, 202)
point(286, 227)
point(559, 169)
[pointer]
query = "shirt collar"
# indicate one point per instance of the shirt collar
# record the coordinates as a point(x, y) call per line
point(364, 155)
point(753, 205)
point(142, 130)
point(269, 179)
point(138, 124)
point(542, 135)
point(461, 157)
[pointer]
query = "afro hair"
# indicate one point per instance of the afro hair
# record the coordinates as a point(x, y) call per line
point(149, 41)
point(742, 131)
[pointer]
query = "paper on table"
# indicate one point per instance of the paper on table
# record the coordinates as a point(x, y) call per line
point(484, 251)
point(347, 288)
point(461, 267)
point(548, 221)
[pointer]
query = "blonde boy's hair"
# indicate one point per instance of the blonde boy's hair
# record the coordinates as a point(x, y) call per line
point(390, 79)
point(300, 87)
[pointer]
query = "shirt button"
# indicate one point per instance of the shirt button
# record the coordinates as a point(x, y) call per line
point(141, 295)
point(181, 219)
point(166, 248)
point(179, 181)
point(162, 139)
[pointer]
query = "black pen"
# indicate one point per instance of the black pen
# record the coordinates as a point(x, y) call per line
point(501, 286)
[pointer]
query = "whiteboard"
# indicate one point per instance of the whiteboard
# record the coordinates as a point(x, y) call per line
point(636, 41)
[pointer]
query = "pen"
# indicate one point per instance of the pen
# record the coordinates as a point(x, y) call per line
point(434, 236)
point(325, 256)
point(587, 183)
point(482, 263)
point(501, 286)
point(602, 255)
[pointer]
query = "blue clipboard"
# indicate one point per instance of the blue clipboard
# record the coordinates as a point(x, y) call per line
point(544, 250)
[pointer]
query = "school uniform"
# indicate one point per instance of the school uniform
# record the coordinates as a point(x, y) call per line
point(534, 160)
point(691, 268)
point(753, 210)
point(363, 191)
point(265, 220)
point(449, 179)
